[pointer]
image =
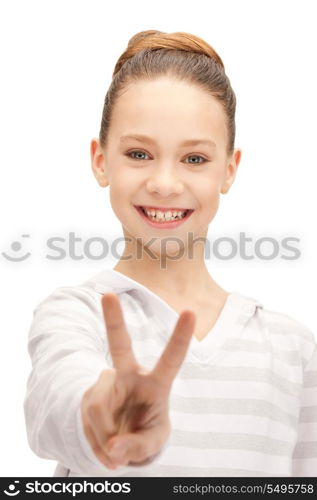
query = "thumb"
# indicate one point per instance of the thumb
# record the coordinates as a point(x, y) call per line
point(138, 447)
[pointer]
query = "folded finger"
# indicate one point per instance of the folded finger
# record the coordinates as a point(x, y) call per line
point(98, 451)
point(137, 448)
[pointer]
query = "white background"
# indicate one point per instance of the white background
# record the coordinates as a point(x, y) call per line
point(57, 59)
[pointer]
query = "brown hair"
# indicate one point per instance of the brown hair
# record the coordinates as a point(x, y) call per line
point(151, 54)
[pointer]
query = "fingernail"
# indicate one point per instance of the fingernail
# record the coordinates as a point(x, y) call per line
point(118, 451)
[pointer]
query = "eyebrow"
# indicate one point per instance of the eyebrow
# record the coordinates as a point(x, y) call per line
point(188, 142)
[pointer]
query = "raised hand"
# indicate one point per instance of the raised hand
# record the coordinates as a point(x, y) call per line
point(125, 413)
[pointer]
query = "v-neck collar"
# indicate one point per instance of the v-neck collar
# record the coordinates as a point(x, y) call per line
point(237, 310)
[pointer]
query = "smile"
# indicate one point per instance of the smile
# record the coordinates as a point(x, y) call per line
point(167, 218)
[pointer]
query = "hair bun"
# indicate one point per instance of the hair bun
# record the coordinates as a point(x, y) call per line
point(142, 35)
point(153, 40)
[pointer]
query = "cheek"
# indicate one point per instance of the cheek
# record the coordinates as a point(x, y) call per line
point(209, 197)
point(117, 196)
point(122, 194)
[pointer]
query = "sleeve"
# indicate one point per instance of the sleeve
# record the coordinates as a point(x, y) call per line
point(304, 462)
point(68, 354)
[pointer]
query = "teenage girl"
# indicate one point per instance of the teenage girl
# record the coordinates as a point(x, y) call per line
point(152, 368)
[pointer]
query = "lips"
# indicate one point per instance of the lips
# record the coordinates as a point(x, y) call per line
point(163, 225)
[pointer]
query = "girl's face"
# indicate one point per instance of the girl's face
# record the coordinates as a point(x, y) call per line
point(161, 170)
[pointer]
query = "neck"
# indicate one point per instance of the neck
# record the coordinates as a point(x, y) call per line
point(182, 276)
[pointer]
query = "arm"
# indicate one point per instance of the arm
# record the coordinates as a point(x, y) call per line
point(67, 357)
point(305, 453)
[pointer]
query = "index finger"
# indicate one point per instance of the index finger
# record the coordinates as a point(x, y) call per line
point(118, 337)
point(174, 353)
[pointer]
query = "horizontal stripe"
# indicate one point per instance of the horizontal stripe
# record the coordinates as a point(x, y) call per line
point(265, 361)
point(308, 414)
point(307, 431)
point(309, 397)
point(240, 373)
point(311, 379)
point(257, 407)
point(291, 357)
point(225, 458)
point(232, 423)
point(231, 441)
point(235, 390)
point(289, 328)
point(228, 373)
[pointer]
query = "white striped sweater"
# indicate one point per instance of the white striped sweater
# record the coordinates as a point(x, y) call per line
point(244, 402)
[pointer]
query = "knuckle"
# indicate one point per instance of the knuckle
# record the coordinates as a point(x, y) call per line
point(103, 459)
point(103, 441)
point(102, 456)
point(115, 326)
point(141, 451)
point(96, 449)
point(121, 351)
point(94, 409)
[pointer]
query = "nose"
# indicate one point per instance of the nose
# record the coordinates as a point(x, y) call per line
point(164, 182)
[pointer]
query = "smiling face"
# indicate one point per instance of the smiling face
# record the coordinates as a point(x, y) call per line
point(161, 169)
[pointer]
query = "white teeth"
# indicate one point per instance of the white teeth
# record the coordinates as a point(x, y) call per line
point(165, 216)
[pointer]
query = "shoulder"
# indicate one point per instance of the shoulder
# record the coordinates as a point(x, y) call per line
point(287, 332)
point(85, 295)
point(70, 305)
point(77, 304)
point(67, 320)
point(71, 296)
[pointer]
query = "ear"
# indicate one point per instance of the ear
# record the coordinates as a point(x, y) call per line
point(98, 163)
point(231, 171)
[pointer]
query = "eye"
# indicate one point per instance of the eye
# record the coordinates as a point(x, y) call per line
point(197, 156)
point(136, 151)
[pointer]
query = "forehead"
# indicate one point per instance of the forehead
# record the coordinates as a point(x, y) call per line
point(166, 103)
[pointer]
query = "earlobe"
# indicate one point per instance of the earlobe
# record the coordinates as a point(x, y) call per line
point(228, 180)
point(231, 171)
point(98, 163)
point(226, 186)
point(102, 179)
